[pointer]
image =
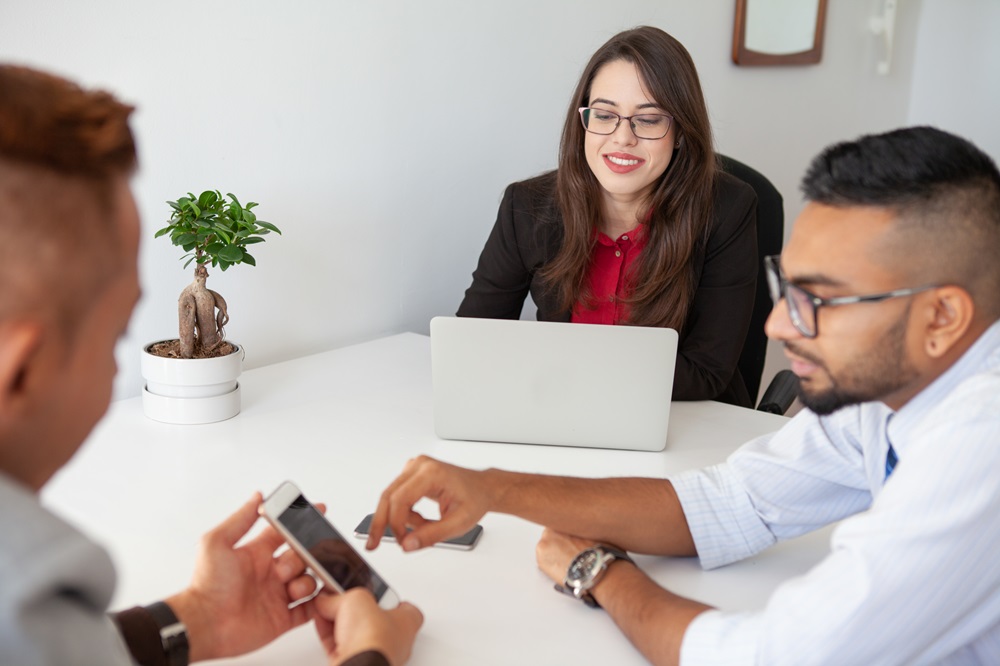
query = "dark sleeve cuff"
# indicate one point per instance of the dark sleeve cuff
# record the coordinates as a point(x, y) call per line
point(142, 636)
point(370, 658)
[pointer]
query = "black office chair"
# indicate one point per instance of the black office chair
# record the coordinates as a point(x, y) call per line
point(770, 237)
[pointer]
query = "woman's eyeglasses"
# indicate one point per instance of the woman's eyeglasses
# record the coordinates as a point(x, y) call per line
point(643, 125)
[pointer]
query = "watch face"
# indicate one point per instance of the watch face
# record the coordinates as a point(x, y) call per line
point(584, 567)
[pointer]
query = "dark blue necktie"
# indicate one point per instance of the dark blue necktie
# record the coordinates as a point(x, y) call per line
point(890, 461)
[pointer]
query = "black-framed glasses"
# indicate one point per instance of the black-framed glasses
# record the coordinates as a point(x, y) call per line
point(644, 125)
point(803, 305)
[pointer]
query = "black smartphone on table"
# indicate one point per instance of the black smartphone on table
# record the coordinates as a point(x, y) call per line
point(465, 541)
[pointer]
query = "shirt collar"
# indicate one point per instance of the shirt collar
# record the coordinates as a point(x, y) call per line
point(637, 237)
point(971, 362)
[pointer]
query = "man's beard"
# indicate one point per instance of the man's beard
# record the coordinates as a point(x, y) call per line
point(872, 376)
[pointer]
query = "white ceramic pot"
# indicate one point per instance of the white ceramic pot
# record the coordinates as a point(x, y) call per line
point(190, 391)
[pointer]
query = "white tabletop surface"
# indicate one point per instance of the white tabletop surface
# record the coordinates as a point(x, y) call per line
point(341, 424)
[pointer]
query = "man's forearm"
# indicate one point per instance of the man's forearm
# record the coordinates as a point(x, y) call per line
point(652, 618)
point(640, 515)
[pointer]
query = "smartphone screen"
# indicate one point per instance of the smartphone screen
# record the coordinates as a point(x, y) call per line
point(318, 542)
point(465, 541)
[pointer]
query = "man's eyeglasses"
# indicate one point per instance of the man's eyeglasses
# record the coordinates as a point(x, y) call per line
point(803, 306)
point(643, 125)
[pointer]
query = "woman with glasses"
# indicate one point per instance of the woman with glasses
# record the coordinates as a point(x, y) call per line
point(638, 225)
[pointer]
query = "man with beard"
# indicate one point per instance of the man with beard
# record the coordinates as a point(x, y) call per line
point(887, 300)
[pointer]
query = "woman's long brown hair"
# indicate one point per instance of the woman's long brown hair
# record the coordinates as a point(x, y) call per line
point(662, 280)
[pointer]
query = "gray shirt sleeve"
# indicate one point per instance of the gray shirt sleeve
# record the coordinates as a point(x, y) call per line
point(55, 586)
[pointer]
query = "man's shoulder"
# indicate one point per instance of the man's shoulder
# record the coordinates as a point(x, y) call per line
point(977, 396)
point(55, 586)
point(39, 547)
point(975, 391)
point(25, 522)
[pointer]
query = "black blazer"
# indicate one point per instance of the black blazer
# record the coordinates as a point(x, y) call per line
point(528, 233)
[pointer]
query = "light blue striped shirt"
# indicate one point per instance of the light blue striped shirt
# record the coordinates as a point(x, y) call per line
point(913, 576)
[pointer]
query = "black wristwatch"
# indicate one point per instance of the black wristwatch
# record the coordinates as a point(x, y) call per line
point(587, 569)
point(173, 634)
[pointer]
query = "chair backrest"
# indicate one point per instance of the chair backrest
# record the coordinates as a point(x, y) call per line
point(770, 238)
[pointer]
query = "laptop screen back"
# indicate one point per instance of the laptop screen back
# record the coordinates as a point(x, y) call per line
point(552, 383)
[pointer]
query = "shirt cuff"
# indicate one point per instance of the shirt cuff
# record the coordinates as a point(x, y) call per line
point(720, 638)
point(723, 522)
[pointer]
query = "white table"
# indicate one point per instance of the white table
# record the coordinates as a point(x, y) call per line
point(341, 424)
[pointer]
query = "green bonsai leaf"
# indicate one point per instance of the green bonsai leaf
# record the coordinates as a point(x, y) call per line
point(231, 253)
point(212, 230)
point(208, 198)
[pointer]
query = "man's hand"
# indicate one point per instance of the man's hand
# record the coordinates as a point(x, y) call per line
point(352, 623)
point(555, 552)
point(238, 598)
point(651, 617)
point(463, 495)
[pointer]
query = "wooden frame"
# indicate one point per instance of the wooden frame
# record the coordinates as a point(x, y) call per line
point(744, 56)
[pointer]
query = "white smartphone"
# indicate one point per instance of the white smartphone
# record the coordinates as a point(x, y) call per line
point(321, 546)
point(465, 541)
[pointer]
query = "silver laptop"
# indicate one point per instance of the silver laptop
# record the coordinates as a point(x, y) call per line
point(533, 382)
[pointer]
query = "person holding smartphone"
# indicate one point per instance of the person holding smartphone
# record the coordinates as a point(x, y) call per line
point(638, 225)
point(68, 266)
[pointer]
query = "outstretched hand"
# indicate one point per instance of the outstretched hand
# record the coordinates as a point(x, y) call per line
point(462, 495)
point(238, 598)
point(351, 623)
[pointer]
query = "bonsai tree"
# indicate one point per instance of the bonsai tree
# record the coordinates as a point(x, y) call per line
point(216, 230)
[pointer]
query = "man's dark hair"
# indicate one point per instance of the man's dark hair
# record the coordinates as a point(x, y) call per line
point(897, 169)
point(63, 151)
point(945, 193)
point(53, 123)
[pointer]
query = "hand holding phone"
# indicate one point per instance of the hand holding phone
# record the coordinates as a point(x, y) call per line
point(321, 546)
point(351, 623)
point(465, 541)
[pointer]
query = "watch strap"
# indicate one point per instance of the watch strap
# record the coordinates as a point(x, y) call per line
point(618, 553)
point(173, 634)
point(585, 596)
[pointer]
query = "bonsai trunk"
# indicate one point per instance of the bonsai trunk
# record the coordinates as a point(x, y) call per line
point(200, 326)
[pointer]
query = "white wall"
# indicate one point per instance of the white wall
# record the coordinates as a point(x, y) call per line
point(956, 78)
point(380, 135)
